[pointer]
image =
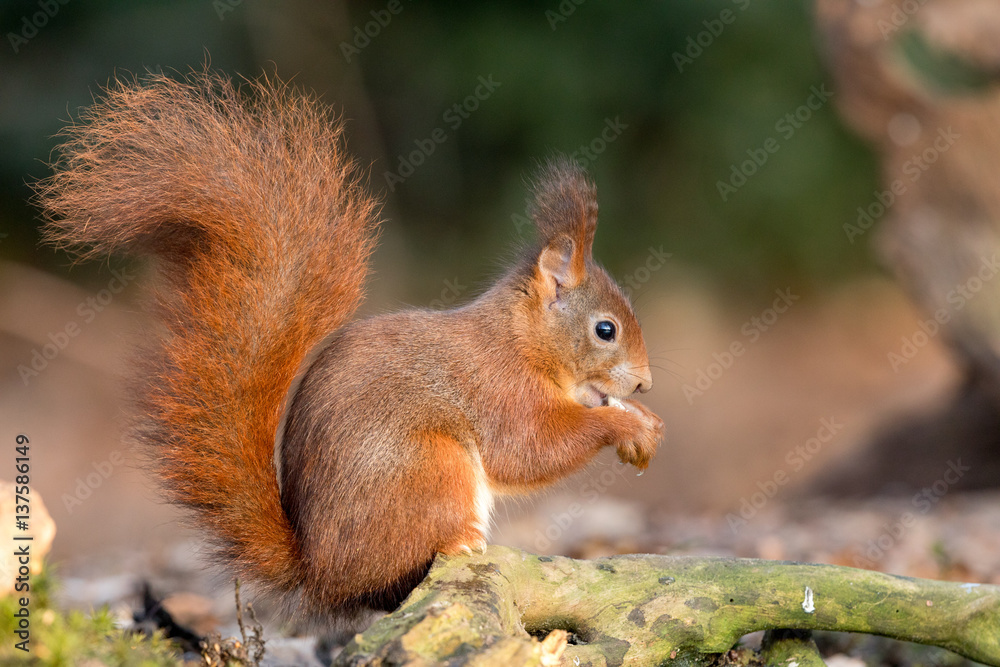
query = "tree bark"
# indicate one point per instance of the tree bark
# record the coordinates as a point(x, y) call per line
point(492, 608)
point(922, 86)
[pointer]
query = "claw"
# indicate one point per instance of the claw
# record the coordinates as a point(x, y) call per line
point(474, 544)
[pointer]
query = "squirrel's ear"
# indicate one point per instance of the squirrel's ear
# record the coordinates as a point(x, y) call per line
point(559, 265)
point(565, 208)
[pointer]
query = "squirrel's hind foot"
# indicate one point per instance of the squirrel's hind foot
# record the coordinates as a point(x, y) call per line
point(472, 542)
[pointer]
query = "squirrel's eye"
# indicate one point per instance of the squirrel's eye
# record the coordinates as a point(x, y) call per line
point(605, 330)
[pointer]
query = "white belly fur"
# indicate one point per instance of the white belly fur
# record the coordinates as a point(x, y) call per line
point(484, 497)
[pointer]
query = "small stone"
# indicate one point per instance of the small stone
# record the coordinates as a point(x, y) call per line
point(40, 527)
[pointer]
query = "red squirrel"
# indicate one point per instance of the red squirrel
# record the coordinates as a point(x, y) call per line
point(400, 429)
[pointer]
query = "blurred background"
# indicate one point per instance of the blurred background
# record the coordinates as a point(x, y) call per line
point(799, 197)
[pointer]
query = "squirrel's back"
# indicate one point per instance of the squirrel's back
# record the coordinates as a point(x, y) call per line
point(248, 200)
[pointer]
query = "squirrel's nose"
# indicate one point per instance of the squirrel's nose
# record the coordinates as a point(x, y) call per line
point(645, 381)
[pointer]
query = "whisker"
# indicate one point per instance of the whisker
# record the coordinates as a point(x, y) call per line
point(676, 364)
point(643, 294)
point(659, 351)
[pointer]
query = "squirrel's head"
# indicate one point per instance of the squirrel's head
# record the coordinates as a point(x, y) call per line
point(585, 322)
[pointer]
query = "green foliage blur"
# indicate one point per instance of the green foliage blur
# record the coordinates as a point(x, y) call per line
point(64, 639)
point(690, 85)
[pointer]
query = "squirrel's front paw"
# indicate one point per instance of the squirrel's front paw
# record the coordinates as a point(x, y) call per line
point(641, 447)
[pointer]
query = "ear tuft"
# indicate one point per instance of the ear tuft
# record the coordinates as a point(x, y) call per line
point(565, 204)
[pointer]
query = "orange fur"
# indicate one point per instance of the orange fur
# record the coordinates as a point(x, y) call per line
point(404, 425)
point(201, 177)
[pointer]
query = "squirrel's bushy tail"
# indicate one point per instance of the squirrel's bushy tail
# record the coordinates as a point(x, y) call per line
point(263, 236)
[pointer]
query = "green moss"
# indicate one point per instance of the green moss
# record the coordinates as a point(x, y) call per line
point(646, 609)
point(63, 639)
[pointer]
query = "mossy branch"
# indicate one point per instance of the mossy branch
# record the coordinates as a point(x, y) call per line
point(488, 609)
